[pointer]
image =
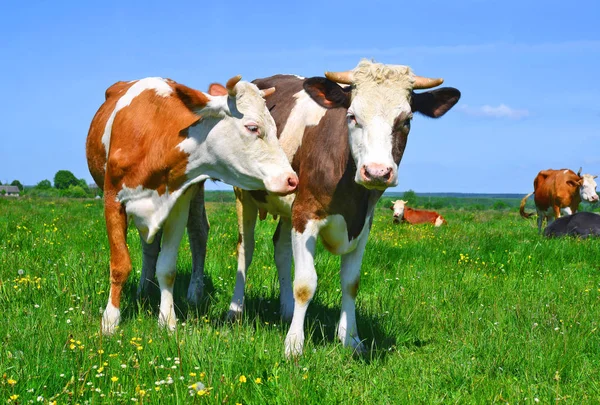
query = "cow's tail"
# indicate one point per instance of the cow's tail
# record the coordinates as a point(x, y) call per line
point(522, 208)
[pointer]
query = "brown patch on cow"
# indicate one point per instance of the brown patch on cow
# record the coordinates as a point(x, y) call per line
point(152, 127)
point(399, 138)
point(353, 289)
point(95, 152)
point(303, 294)
point(283, 101)
point(414, 217)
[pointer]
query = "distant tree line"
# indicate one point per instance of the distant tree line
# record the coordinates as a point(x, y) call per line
point(65, 185)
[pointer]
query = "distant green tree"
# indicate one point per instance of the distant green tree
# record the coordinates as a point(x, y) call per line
point(18, 184)
point(44, 185)
point(64, 178)
point(74, 192)
point(3, 192)
point(410, 197)
point(500, 205)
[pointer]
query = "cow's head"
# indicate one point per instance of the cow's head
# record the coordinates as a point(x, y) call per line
point(587, 188)
point(398, 208)
point(244, 142)
point(380, 104)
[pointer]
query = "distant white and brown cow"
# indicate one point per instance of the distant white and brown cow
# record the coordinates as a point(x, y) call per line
point(152, 143)
point(402, 213)
point(559, 190)
point(345, 142)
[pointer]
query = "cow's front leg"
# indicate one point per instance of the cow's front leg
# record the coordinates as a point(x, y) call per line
point(347, 331)
point(120, 262)
point(167, 259)
point(198, 228)
point(150, 253)
point(246, 216)
point(282, 241)
point(305, 284)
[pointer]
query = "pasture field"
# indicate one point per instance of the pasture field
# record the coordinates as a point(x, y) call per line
point(480, 311)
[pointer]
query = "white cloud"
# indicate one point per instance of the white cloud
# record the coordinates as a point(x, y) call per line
point(501, 111)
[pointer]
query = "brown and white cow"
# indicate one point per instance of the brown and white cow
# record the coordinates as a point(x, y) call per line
point(345, 143)
point(413, 217)
point(559, 190)
point(151, 144)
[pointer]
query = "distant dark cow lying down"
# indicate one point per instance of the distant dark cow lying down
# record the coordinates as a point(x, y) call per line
point(581, 224)
point(412, 216)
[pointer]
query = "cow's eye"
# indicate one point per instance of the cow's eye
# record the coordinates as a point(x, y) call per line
point(351, 118)
point(407, 123)
point(254, 129)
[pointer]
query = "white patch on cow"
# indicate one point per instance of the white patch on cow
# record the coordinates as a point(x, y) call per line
point(381, 93)
point(305, 113)
point(398, 208)
point(262, 165)
point(110, 318)
point(158, 84)
point(587, 191)
point(566, 211)
point(439, 221)
point(148, 209)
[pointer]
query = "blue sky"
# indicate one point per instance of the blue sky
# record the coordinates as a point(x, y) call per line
point(527, 72)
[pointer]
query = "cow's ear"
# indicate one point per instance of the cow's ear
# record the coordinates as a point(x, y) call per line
point(327, 93)
point(216, 89)
point(392, 208)
point(435, 103)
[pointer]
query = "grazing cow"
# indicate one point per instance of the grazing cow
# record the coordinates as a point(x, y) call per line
point(413, 217)
point(151, 144)
point(581, 224)
point(556, 190)
point(345, 143)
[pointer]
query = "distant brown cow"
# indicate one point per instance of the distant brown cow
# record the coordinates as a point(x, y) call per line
point(556, 190)
point(412, 216)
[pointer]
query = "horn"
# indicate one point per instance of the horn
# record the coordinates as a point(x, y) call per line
point(230, 85)
point(579, 172)
point(267, 92)
point(426, 83)
point(340, 77)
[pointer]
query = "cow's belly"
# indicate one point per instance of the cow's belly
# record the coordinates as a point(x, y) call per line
point(334, 235)
point(277, 205)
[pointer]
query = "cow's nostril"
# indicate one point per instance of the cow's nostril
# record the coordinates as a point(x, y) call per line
point(293, 182)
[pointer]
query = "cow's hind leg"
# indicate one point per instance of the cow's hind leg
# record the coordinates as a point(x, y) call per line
point(246, 216)
point(167, 260)
point(198, 228)
point(150, 253)
point(282, 241)
point(120, 262)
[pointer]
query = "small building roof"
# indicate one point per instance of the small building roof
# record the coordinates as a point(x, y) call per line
point(10, 189)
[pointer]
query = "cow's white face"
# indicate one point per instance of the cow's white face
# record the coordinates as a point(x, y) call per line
point(398, 208)
point(244, 143)
point(380, 105)
point(587, 191)
point(378, 112)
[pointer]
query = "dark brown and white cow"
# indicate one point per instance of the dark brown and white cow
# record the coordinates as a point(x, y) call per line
point(559, 190)
point(151, 144)
point(414, 217)
point(345, 143)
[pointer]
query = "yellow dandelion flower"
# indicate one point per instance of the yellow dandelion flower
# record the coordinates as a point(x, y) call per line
point(142, 393)
point(192, 374)
point(258, 380)
point(114, 379)
point(156, 388)
point(72, 346)
point(100, 351)
point(202, 375)
point(14, 397)
point(242, 379)
point(202, 393)
point(10, 381)
point(101, 369)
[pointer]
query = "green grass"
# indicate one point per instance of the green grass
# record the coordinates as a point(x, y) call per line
point(480, 311)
